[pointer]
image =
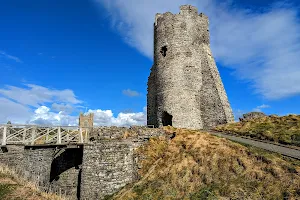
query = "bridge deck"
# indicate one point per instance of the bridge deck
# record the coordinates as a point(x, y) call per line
point(41, 135)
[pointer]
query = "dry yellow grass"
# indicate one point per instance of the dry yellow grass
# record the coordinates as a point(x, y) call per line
point(12, 187)
point(285, 129)
point(196, 165)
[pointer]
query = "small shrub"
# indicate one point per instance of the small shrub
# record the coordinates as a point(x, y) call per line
point(5, 189)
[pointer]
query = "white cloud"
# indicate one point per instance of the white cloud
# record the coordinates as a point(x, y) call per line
point(10, 57)
point(261, 107)
point(44, 116)
point(16, 108)
point(67, 108)
point(36, 96)
point(106, 118)
point(262, 47)
point(130, 93)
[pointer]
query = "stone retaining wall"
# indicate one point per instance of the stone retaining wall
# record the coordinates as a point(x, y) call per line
point(93, 171)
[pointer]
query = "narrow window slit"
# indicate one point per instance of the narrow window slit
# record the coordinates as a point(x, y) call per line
point(163, 51)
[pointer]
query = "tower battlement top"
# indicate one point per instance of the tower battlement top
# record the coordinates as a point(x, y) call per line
point(188, 9)
point(184, 10)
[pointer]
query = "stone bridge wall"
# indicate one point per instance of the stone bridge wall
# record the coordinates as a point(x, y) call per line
point(12, 156)
point(91, 171)
point(107, 166)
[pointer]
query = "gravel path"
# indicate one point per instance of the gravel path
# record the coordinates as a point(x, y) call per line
point(294, 153)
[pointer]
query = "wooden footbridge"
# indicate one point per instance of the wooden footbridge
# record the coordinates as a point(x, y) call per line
point(43, 135)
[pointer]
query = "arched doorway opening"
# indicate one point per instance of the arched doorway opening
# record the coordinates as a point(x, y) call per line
point(166, 119)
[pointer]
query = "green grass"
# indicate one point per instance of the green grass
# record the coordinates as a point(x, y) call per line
point(284, 130)
point(6, 189)
point(197, 165)
point(13, 187)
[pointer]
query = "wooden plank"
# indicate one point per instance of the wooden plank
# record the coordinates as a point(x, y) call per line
point(47, 135)
point(59, 136)
point(86, 136)
point(24, 135)
point(80, 136)
point(33, 135)
point(4, 136)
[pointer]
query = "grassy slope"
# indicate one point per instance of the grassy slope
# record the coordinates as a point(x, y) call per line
point(196, 165)
point(14, 188)
point(285, 130)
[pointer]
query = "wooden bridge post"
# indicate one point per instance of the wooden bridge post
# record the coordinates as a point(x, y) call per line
point(80, 136)
point(86, 136)
point(4, 136)
point(59, 135)
point(33, 135)
point(24, 135)
point(47, 135)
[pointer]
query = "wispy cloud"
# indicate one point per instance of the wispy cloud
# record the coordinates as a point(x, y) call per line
point(67, 108)
point(261, 107)
point(131, 93)
point(262, 47)
point(13, 111)
point(35, 95)
point(10, 57)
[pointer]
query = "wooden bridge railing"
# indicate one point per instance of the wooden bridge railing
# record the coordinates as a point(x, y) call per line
point(38, 135)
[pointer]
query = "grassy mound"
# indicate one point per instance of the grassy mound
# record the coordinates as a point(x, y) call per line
point(14, 188)
point(285, 130)
point(196, 165)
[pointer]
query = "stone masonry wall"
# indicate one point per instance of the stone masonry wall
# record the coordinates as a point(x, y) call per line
point(151, 99)
point(12, 156)
point(37, 166)
point(51, 169)
point(184, 83)
point(100, 168)
point(107, 166)
point(65, 175)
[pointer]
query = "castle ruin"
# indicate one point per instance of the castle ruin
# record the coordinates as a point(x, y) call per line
point(184, 87)
point(86, 120)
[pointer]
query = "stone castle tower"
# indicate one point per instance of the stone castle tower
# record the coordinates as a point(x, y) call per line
point(86, 120)
point(184, 87)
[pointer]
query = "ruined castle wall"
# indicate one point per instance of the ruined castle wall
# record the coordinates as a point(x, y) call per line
point(37, 166)
point(178, 71)
point(183, 66)
point(103, 133)
point(107, 166)
point(65, 175)
point(214, 105)
point(51, 169)
point(91, 172)
point(151, 99)
point(12, 156)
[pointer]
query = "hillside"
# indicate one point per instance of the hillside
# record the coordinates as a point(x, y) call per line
point(196, 165)
point(285, 129)
point(14, 188)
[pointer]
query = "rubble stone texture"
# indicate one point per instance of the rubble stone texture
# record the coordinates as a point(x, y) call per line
point(184, 87)
point(252, 115)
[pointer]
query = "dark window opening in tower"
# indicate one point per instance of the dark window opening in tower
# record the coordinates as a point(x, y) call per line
point(167, 119)
point(163, 51)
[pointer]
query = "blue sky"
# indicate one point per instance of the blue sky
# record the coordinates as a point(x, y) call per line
point(60, 57)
